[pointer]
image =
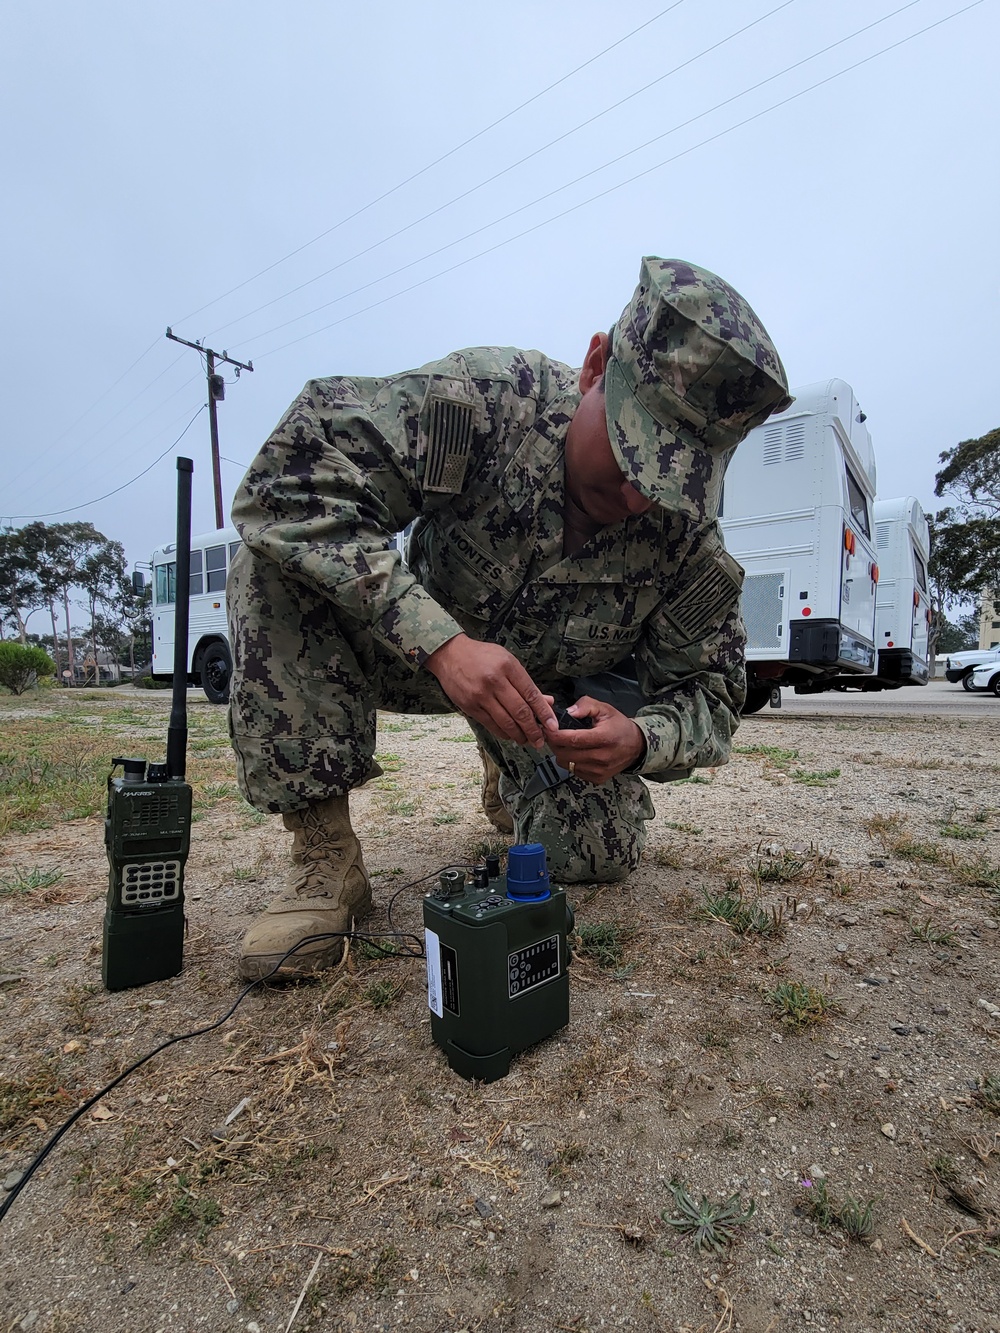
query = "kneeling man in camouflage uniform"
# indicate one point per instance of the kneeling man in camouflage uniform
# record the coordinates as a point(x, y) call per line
point(563, 521)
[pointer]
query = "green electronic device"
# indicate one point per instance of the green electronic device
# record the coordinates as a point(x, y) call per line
point(496, 961)
point(147, 831)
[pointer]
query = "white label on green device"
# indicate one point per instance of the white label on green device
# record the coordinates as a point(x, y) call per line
point(432, 947)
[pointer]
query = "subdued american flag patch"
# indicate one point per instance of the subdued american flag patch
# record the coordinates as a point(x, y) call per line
point(449, 440)
point(707, 598)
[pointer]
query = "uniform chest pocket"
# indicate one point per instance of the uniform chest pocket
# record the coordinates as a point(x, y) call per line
point(594, 645)
point(465, 575)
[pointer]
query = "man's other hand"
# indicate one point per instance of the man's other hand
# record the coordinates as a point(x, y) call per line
point(611, 744)
point(489, 684)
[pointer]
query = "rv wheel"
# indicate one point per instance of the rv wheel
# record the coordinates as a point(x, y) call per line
point(757, 697)
point(216, 670)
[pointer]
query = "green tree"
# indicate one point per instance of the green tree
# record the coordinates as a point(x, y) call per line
point(101, 574)
point(19, 587)
point(955, 636)
point(21, 667)
point(965, 553)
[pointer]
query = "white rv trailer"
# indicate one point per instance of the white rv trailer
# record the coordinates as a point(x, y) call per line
point(797, 515)
point(210, 661)
point(902, 600)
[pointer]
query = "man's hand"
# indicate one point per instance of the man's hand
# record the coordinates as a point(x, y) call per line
point(601, 751)
point(489, 684)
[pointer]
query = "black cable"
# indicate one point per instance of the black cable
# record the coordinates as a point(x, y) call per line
point(489, 180)
point(372, 937)
point(271, 351)
point(56, 512)
point(437, 161)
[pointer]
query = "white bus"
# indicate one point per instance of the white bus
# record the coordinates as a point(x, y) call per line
point(797, 514)
point(902, 602)
point(210, 663)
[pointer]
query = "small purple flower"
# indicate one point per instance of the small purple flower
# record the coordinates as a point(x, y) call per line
point(806, 1184)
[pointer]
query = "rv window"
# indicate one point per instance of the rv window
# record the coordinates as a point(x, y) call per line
point(233, 548)
point(215, 569)
point(921, 572)
point(859, 505)
point(195, 572)
point(166, 584)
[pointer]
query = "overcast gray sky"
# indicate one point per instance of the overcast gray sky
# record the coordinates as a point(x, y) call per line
point(156, 157)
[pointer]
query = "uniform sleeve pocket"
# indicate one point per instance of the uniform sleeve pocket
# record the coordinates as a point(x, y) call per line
point(705, 597)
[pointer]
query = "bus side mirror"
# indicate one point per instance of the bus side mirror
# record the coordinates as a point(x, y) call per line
point(138, 581)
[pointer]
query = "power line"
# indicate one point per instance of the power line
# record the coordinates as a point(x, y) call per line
point(56, 513)
point(477, 231)
point(506, 170)
point(430, 165)
point(46, 450)
point(92, 458)
point(621, 184)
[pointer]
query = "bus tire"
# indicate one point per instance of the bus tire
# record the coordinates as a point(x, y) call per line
point(757, 697)
point(216, 672)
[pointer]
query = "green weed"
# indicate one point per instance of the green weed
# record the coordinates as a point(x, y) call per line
point(928, 933)
point(817, 778)
point(965, 832)
point(772, 754)
point(855, 1219)
point(800, 1005)
point(987, 1093)
point(742, 917)
point(601, 941)
point(382, 994)
point(711, 1226)
point(27, 880)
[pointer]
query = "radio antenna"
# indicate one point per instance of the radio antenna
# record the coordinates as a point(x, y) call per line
point(177, 728)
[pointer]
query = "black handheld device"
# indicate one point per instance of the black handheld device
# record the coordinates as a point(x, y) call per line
point(147, 831)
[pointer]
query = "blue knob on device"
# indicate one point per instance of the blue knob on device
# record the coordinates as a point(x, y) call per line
point(527, 873)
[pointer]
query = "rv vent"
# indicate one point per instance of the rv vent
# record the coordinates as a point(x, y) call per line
point(795, 440)
point(881, 535)
point(762, 604)
point(772, 445)
point(791, 435)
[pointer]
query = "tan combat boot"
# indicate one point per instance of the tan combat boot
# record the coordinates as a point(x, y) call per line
point(327, 890)
point(496, 812)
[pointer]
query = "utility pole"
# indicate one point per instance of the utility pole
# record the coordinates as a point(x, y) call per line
point(216, 393)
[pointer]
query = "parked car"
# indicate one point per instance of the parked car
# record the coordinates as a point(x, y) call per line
point(960, 666)
point(985, 677)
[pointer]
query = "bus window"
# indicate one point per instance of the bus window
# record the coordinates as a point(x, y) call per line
point(196, 579)
point(215, 569)
point(859, 505)
point(166, 584)
point(921, 572)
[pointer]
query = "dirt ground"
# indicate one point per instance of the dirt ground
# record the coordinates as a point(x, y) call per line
point(795, 1001)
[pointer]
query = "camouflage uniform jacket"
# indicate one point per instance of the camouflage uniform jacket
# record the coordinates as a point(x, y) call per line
point(470, 449)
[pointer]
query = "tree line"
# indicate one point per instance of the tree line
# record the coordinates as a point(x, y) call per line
point(42, 565)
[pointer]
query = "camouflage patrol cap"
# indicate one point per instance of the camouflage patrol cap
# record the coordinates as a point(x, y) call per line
point(690, 371)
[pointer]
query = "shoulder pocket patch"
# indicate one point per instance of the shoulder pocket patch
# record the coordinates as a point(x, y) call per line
point(450, 427)
point(707, 598)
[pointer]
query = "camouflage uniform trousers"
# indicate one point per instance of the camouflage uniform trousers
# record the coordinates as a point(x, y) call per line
point(306, 688)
